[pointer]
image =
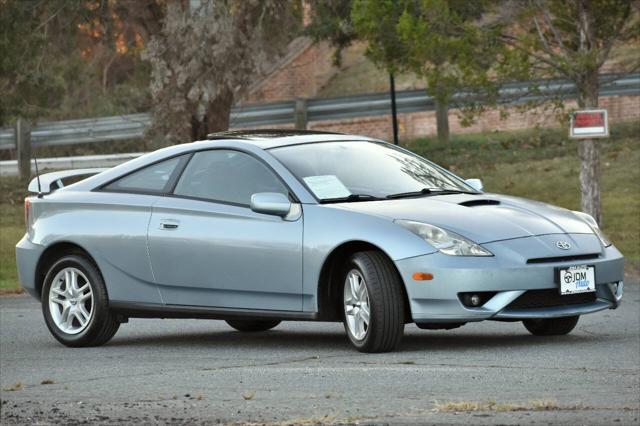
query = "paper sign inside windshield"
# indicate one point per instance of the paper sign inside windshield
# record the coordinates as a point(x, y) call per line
point(327, 186)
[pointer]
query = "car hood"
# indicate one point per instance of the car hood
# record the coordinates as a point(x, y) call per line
point(480, 217)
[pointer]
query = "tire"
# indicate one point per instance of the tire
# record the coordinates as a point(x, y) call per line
point(253, 325)
point(385, 298)
point(551, 326)
point(101, 324)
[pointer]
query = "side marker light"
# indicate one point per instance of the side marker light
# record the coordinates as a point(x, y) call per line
point(422, 276)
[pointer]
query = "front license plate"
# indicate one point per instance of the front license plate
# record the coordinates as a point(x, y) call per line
point(577, 279)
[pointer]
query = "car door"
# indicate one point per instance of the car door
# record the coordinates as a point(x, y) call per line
point(208, 248)
point(114, 224)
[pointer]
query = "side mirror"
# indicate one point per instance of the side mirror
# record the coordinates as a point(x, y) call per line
point(475, 184)
point(271, 203)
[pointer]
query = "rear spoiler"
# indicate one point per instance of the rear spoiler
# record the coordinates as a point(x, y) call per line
point(49, 182)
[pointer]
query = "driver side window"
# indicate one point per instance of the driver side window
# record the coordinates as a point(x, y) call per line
point(227, 176)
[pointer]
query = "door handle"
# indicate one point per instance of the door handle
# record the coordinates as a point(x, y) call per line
point(169, 224)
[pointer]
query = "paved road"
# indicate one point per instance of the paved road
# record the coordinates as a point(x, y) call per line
point(191, 371)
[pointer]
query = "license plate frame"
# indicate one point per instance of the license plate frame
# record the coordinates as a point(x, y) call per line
point(576, 279)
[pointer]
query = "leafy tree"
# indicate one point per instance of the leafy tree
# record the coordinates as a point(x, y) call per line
point(571, 40)
point(377, 23)
point(204, 59)
point(57, 55)
point(32, 35)
point(331, 21)
point(447, 48)
point(436, 39)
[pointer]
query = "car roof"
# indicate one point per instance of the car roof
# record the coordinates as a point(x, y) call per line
point(252, 140)
point(273, 138)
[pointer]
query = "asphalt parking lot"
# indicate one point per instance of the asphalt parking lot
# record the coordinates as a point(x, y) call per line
point(196, 371)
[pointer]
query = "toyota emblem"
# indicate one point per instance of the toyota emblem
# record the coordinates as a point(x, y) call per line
point(563, 245)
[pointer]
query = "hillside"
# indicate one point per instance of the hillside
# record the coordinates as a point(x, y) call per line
point(357, 74)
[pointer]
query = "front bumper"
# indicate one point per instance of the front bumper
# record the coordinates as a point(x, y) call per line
point(510, 276)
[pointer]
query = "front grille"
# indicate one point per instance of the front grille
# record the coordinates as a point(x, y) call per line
point(564, 258)
point(550, 298)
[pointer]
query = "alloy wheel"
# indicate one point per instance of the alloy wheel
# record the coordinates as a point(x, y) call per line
point(71, 301)
point(356, 304)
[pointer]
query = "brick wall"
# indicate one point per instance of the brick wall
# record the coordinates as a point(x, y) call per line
point(412, 125)
point(308, 67)
point(300, 74)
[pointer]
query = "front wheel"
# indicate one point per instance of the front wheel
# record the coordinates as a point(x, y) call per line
point(551, 326)
point(75, 303)
point(373, 302)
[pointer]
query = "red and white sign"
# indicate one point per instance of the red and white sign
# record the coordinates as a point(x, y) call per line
point(591, 123)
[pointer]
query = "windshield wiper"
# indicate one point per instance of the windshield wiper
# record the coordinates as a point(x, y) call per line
point(423, 191)
point(427, 191)
point(351, 197)
point(452, 191)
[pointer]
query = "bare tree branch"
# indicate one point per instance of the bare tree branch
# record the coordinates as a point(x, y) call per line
point(608, 44)
point(620, 75)
point(53, 15)
point(547, 48)
point(513, 42)
point(556, 35)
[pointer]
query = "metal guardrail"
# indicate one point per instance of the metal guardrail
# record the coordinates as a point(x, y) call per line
point(11, 167)
point(133, 126)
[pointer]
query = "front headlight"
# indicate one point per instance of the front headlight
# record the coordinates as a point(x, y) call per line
point(446, 242)
point(589, 220)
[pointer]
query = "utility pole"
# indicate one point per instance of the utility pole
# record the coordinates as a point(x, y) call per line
point(394, 113)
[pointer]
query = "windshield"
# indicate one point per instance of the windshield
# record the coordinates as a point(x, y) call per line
point(362, 170)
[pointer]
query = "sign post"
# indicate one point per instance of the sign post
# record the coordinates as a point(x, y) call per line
point(589, 124)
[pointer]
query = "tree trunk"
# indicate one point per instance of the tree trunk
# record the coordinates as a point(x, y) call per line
point(442, 120)
point(588, 88)
point(105, 72)
point(216, 116)
point(589, 152)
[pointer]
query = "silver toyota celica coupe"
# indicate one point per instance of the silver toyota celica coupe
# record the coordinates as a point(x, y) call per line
point(260, 227)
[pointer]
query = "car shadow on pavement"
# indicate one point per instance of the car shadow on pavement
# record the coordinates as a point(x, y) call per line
point(300, 340)
point(460, 341)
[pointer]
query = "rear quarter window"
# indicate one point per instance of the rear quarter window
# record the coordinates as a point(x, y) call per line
point(155, 178)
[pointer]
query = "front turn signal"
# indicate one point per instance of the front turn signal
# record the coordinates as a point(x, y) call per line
point(422, 276)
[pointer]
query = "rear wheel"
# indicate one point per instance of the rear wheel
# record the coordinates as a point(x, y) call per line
point(373, 303)
point(75, 303)
point(253, 325)
point(551, 326)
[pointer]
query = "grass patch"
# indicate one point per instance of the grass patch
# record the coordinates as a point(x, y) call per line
point(544, 404)
point(9, 236)
point(541, 164)
point(14, 387)
point(305, 421)
point(12, 228)
point(499, 407)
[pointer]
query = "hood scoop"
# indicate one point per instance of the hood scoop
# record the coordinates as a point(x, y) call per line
point(476, 203)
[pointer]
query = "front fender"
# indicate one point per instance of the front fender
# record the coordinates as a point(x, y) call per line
point(327, 227)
